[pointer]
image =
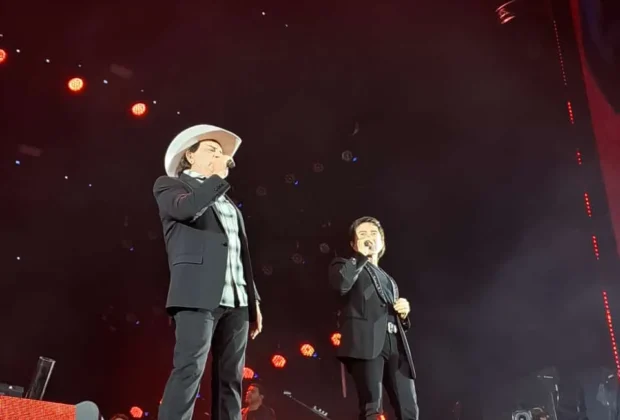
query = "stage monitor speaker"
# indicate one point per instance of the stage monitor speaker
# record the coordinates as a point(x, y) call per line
point(24, 409)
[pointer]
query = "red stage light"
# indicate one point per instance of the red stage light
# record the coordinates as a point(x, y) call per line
point(579, 160)
point(571, 115)
point(588, 206)
point(382, 417)
point(612, 335)
point(3, 56)
point(76, 84)
point(335, 338)
point(595, 247)
point(138, 109)
point(248, 373)
point(307, 350)
point(278, 361)
point(136, 412)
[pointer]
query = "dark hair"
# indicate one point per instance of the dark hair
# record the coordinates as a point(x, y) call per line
point(367, 219)
point(259, 387)
point(184, 163)
point(119, 416)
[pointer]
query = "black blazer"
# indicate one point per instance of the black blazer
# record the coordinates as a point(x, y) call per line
point(364, 310)
point(198, 249)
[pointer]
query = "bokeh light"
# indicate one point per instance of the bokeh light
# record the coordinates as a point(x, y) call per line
point(3, 56)
point(136, 412)
point(307, 350)
point(248, 373)
point(76, 84)
point(139, 109)
point(278, 361)
point(335, 339)
point(504, 14)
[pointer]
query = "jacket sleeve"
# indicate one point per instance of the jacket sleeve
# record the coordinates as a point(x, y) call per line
point(344, 273)
point(183, 204)
point(258, 300)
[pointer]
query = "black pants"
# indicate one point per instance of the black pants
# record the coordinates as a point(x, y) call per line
point(225, 332)
point(389, 369)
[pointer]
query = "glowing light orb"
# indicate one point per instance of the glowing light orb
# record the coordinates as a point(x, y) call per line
point(248, 373)
point(139, 109)
point(307, 350)
point(136, 412)
point(76, 84)
point(335, 339)
point(3, 56)
point(278, 361)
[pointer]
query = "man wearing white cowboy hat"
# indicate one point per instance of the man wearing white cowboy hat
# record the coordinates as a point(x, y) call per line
point(212, 296)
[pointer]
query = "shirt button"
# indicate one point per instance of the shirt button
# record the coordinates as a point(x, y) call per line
point(225, 244)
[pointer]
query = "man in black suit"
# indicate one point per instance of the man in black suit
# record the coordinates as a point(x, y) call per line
point(212, 297)
point(373, 320)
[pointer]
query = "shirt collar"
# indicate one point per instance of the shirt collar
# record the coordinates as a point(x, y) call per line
point(194, 174)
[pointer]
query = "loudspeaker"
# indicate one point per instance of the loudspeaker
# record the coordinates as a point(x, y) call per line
point(20, 408)
point(24, 409)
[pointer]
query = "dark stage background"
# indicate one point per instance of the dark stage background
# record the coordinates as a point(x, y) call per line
point(461, 145)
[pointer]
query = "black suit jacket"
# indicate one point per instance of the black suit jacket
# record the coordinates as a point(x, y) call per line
point(198, 249)
point(364, 310)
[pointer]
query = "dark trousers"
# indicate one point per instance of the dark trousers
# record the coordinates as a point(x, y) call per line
point(224, 331)
point(389, 369)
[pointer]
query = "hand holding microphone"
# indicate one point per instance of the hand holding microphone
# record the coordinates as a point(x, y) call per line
point(220, 165)
point(366, 247)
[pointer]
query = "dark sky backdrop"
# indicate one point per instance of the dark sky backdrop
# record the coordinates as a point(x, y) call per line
point(462, 153)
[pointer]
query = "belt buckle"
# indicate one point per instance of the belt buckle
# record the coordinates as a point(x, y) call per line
point(391, 327)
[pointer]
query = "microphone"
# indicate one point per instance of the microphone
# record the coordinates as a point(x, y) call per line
point(369, 244)
point(230, 164)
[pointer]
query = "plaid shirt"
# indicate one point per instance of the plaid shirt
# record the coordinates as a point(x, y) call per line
point(235, 293)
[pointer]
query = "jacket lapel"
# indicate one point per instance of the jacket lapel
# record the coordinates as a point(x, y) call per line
point(394, 287)
point(375, 280)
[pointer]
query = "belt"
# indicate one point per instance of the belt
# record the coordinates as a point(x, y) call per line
point(392, 328)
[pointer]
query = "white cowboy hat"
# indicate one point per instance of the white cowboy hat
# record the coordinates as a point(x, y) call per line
point(230, 143)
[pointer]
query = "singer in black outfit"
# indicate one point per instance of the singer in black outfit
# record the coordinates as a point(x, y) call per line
point(373, 320)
